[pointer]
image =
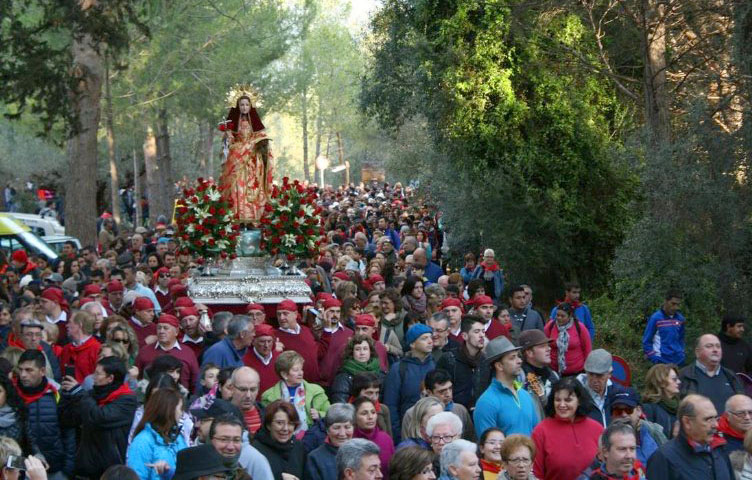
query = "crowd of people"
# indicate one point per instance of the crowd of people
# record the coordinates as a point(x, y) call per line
point(397, 368)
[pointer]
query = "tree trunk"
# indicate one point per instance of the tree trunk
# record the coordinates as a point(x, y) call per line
point(152, 173)
point(209, 149)
point(114, 183)
point(657, 111)
point(137, 187)
point(743, 34)
point(81, 191)
point(304, 108)
point(164, 166)
point(319, 123)
point(341, 154)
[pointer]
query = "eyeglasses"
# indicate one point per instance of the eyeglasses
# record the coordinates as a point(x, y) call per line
point(440, 330)
point(442, 438)
point(164, 275)
point(620, 410)
point(519, 461)
point(226, 440)
point(741, 413)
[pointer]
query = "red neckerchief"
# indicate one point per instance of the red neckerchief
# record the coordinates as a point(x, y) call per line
point(28, 399)
point(575, 305)
point(123, 389)
point(14, 341)
point(726, 429)
point(637, 472)
point(490, 467)
point(490, 268)
point(376, 405)
point(89, 343)
point(705, 447)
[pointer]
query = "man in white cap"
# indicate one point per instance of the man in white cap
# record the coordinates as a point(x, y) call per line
point(597, 383)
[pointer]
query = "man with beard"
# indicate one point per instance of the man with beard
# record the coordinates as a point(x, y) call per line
point(537, 375)
point(694, 453)
point(467, 365)
point(104, 415)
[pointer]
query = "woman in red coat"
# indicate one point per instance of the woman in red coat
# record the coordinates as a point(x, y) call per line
point(567, 439)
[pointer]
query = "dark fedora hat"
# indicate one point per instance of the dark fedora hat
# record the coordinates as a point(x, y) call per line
point(195, 462)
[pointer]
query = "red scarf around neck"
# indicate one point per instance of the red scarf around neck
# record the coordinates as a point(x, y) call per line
point(123, 389)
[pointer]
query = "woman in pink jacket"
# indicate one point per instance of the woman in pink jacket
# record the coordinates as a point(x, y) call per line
point(570, 344)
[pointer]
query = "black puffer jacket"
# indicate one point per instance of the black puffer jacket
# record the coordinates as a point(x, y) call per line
point(57, 444)
point(283, 457)
point(104, 428)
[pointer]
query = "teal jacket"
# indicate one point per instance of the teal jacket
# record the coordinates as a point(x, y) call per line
point(149, 447)
point(498, 407)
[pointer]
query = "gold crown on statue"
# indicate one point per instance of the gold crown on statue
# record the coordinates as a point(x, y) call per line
point(243, 90)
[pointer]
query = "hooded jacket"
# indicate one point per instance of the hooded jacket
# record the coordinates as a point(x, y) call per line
point(105, 424)
point(403, 387)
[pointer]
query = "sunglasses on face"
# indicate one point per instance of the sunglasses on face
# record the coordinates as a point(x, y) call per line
point(622, 409)
point(121, 340)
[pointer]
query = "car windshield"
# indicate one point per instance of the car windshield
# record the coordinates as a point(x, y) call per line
point(34, 243)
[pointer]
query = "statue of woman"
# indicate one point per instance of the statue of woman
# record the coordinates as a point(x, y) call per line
point(247, 173)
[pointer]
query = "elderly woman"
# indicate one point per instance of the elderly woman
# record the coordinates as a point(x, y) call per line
point(321, 463)
point(366, 427)
point(660, 397)
point(443, 428)
point(414, 426)
point(490, 452)
point(517, 455)
point(276, 441)
point(360, 356)
point(412, 463)
point(491, 274)
point(570, 343)
point(308, 399)
point(567, 440)
point(459, 461)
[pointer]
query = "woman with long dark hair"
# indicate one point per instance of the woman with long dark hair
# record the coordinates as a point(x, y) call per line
point(413, 297)
point(13, 416)
point(247, 173)
point(154, 450)
point(276, 440)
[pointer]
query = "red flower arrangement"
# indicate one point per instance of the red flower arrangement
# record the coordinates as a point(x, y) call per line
point(291, 224)
point(205, 224)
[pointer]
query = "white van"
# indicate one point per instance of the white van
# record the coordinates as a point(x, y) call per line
point(41, 226)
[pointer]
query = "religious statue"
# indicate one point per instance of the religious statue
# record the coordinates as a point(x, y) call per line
point(247, 171)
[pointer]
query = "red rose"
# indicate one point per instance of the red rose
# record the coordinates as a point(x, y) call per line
point(290, 256)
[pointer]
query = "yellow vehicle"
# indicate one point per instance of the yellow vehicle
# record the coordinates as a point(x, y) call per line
point(14, 235)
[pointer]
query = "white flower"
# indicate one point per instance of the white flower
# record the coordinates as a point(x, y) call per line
point(214, 195)
point(190, 229)
point(308, 210)
point(289, 240)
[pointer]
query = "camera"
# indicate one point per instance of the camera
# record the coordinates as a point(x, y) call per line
point(17, 463)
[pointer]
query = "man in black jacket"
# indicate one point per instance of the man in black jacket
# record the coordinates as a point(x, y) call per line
point(737, 354)
point(467, 364)
point(707, 376)
point(105, 415)
point(694, 453)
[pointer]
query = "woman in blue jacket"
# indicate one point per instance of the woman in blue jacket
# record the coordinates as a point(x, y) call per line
point(154, 450)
